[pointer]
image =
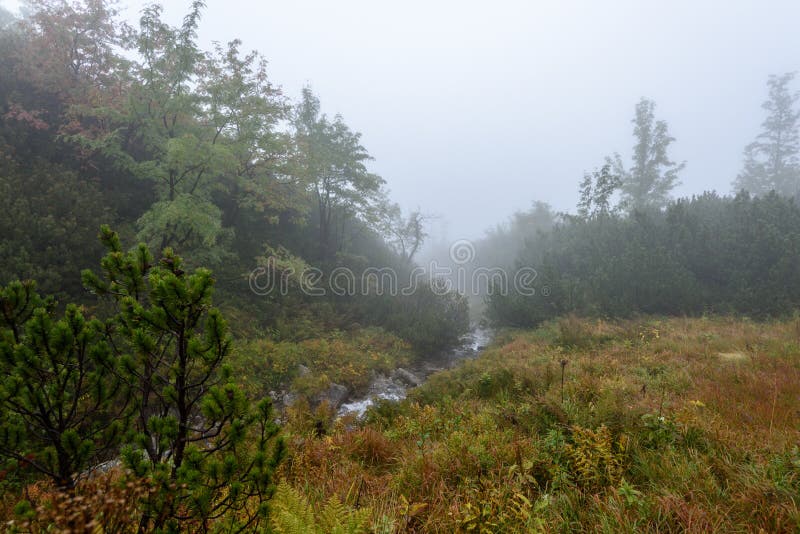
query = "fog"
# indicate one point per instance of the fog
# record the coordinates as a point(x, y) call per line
point(473, 110)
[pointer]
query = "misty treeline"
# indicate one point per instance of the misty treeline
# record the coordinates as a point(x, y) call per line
point(630, 248)
point(198, 151)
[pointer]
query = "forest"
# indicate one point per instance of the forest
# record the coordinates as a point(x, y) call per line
point(215, 318)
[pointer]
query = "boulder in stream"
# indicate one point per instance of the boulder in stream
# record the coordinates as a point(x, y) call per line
point(336, 394)
point(287, 398)
point(406, 377)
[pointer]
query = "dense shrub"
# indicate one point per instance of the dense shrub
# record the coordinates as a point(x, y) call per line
point(704, 254)
point(346, 358)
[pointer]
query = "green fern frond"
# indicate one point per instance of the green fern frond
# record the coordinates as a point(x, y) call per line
point(293, 514)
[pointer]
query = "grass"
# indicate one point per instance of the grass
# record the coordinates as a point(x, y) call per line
point(347, 358)
point(660, 429)
point(659, 425)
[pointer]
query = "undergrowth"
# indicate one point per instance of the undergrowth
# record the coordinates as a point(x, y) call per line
point(659, 425)
point(669, 425)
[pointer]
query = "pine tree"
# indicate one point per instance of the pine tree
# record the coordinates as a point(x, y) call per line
point(653, 175)
point(772, 161)
point(57, 393)
point(210, 453)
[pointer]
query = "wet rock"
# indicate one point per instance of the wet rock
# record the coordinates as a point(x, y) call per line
point(100, 469)
point(406, 377)
point(335, 395)
point(288, 398)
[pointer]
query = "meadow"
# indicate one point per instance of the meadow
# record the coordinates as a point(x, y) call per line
point(659, 425)
point(579, 425)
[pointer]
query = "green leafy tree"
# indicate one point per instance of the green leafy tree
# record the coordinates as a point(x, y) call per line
point(647, 184)
point(596, 190)
point(57, 393)
point(256, 190)
point(772, 161)
point(331, 160)
point(210, 453)
point(244, 111)
point(204, 129)
point(405, 234)
point(178, 154)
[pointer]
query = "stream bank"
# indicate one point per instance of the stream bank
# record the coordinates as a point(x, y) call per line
point(395, 386)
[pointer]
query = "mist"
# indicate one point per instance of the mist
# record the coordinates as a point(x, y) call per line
point(473, 111)
point(422, 267)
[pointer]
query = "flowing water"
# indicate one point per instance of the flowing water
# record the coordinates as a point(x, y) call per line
point(395, 386)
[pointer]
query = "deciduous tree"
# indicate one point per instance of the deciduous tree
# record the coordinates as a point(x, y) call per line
point(653, 175)
point(331, 160)
point(596, 190)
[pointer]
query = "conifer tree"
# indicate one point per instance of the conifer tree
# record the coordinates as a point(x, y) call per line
point(209, 452)
point(772, 161)
point(56, 392)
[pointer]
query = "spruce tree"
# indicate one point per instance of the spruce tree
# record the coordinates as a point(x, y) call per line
point(772, 161)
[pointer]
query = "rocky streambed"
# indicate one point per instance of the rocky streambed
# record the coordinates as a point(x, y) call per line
point(395, 385)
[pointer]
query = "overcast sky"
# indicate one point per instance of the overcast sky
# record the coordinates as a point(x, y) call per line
point(475, 109)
